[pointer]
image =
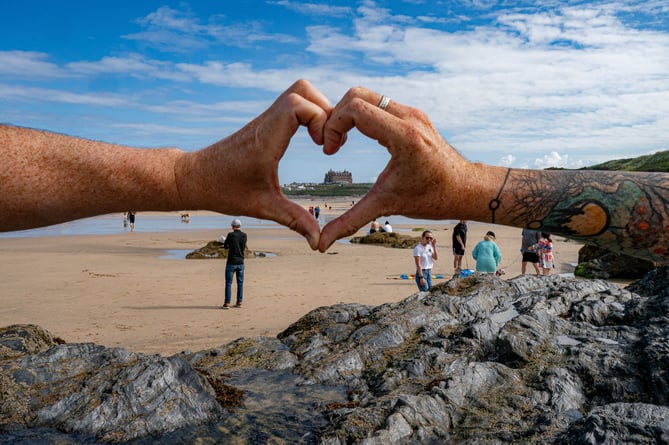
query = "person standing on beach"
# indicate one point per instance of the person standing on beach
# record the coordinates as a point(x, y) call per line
point(529, 239)
point(459, 243)
point(131, 218)
point(424, 255)
point(235, 244)
point(544, 250)
point(487, 254)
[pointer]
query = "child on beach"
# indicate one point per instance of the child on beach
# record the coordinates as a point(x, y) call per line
point(544, 249)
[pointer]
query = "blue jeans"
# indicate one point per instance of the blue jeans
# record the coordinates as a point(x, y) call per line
point(230, 270)
point(427, 274)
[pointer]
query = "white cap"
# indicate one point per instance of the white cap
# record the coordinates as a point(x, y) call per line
point(236, 223)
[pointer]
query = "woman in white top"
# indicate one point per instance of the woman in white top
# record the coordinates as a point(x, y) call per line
point(424, 254)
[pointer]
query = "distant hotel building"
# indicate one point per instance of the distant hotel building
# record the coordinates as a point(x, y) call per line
point(343, 177)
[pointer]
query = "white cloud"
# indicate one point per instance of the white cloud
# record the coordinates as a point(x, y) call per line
point(171, 30)
point(28, 64)
point(316, 9)
point(131, 65)
point(507, 160)
point(30, 94)
point(554, 159)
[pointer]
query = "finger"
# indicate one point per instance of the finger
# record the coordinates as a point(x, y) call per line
point(351, 221)
point(311, 106)
point(295, 217)
point(280, 123)
point(360, 108)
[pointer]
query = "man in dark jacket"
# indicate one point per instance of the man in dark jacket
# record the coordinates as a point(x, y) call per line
point(459, 244)
point(235, 243)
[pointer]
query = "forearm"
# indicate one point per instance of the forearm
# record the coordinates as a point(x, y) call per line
point(622, 211)
point(50, 178)
point(220, 176)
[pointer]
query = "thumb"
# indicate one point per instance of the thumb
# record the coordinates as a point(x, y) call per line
point(296, 218)
point(350, 222)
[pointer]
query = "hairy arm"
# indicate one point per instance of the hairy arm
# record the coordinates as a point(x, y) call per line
point(50, 178)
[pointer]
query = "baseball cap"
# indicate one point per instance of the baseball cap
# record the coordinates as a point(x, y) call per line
point(236, 223)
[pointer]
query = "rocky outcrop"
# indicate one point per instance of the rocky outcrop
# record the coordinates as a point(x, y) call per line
point(215, 250)
point(543, 360)
point(595, 262)
point(108, 393)
point(388, 239)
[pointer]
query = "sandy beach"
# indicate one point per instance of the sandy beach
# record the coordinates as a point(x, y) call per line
point(135, 290)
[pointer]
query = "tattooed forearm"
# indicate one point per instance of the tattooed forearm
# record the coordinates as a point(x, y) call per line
point(621, 211)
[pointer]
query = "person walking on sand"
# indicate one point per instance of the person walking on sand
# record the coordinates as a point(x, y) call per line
point(529, 239)
point(235, 244)
point(459, 243)
point(487, 254)
point(425, 254)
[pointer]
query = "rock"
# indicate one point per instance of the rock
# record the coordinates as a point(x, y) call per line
point(215, 250)
point(595, 262)
point(19, 340)
point(533, 359)
point(388, 239)
point(110, 394)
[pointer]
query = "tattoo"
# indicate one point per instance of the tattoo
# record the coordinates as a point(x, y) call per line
point(495, 203)
point(620, 211)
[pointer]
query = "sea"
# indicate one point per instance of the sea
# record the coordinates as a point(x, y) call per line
point(171, 222)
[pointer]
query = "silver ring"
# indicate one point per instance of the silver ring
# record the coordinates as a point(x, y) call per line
point(383, 103)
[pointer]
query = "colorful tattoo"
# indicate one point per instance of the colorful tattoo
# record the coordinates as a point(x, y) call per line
point(620, 211)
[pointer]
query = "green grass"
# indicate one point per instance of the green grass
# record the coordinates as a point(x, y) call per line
point(355, 189)
point(657, 162)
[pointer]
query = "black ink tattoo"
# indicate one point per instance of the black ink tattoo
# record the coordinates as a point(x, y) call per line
point(620, 211)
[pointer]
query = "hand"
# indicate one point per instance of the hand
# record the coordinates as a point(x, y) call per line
point(239, 174)
point(422, 164)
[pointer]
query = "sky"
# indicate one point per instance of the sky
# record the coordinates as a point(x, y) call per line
point(510, 83)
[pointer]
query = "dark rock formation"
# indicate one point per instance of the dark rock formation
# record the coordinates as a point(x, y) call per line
point(215, 250)
point(477, 360)
point(595, 262)
point(109, 393)
point(392, 239)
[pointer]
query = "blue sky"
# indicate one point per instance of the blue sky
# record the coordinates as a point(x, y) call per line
point(521, 84)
